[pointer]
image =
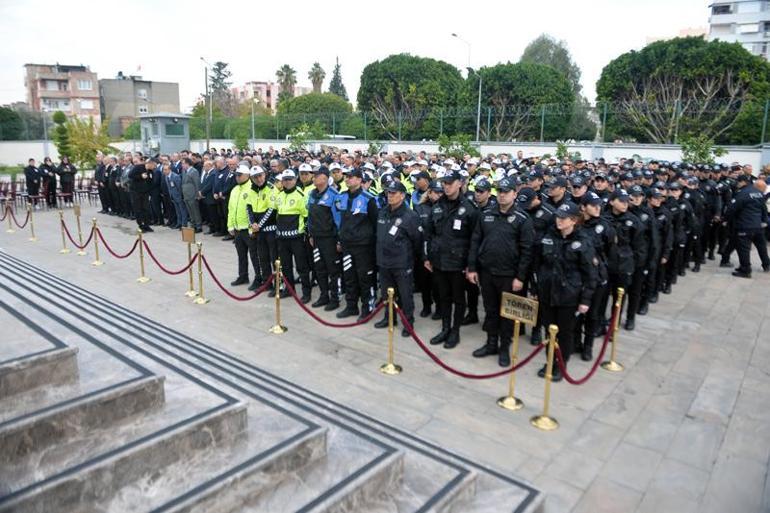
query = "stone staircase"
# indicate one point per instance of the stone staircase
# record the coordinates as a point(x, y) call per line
point(104, 410)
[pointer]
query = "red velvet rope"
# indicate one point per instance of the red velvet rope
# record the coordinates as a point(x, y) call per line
point(26, 220)
point(116, 255)
point(563, 367)
point(257, 292)
point(162, 267)
point(69, 236)
point(456, 372)
point(5, 213)
point(312, 314)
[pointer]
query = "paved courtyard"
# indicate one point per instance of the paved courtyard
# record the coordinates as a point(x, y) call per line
point(685, 428)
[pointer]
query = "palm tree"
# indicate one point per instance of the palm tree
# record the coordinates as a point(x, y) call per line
point(316, 75)
point(287, 79)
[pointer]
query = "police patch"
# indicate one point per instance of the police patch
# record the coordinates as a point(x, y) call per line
point(547, 241)
point(576, 245)
point(245, 195)
point(291, 202)
point(511, 219)
point(461, 210)
point(398, 221)
point(489, 219)
point(595, 261)
point(629, 223)
point(539, 213)
point(644, 217)
point(599, 228)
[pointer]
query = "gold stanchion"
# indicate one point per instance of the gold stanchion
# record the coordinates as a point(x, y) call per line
point(64, 250)
point(96, 262)
point(390, 368)
point(510, 401)
point(82, 251)
point(201, 299)
point(612, 365)
point(545, 421)
point(188, 236)
point(32, 237)
point(278, 328)
point(142, 278)
point(8, 215)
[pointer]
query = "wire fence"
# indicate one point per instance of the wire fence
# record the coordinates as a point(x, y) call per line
point(726, 120)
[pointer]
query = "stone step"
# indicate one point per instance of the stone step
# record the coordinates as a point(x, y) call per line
point(41, 429)
point(78, 488)
point(45, 368)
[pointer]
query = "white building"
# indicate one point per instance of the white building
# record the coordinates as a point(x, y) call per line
point(743, 21)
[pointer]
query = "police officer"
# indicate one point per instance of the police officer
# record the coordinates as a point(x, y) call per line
point(650, 248)
point(322, 224)
point(426, 286)
point(239, 225)
point(697, 200)
point(449, 236)
point(291, 211)
point(34, 178)
point(499, 260)
point(748, 214)
point(482, 198)
point(566, 277)
point(141, 177)
point(542, 215)
point(399, 244)
point(357, 234)
point(262, 219)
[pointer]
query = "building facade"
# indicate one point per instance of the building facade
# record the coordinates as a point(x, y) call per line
point(73, 90)
point(265, 92)
point(742, 21)
point(125, 98)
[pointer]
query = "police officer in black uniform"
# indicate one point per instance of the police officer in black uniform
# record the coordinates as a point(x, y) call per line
point(399, 242)
point(449, 237)
point(542, 215)
point(499, 260)
point(748, 214)
point(654, 282)
point(322, 225)
point(423, 278)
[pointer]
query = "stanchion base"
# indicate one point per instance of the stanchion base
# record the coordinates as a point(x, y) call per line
point(510, 402)
point(612, 366)
point(190, 293)
point(81, 253)
point(278, 329)
point(391, 369)
point(97, 263)
point(143, 279)
point(64, 251)
point(201, 300)
point(10, 230)
point(32, 239)
point(544, 422)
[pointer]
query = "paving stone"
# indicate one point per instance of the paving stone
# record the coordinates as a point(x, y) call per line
point(697, 443)
point(605, 496)
point(632, 466)
point(736, 485)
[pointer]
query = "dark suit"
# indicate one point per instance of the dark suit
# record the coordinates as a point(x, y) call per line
point(207, 203)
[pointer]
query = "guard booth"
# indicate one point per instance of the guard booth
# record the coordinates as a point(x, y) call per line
point(164, 132)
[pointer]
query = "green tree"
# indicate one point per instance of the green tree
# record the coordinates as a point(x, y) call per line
point(317, 76)
point(86, 139)
point(336, 86)
point(315, 103)
point(700, 149)
point(219, 84)
point(132, 132)
point(10, 125)
point(241, 139)
point(287, 79)
point(519, 97)
point(685, 86)
point(61, 136)
point(457, 146)
point(405, 94)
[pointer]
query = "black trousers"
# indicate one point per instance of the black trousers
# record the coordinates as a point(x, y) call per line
point(650, 285)
point(68, 188)
point(676, 263)
point(472, 294)
point(33, 190)
point(451, 291)
point(564, 317)
point(711, 237)
point(169, 210)
point(401, 280)
point(267, 253)
point(246, 246)
point(744, 240)
point(358, 268)
point(50, 192)
point(492, 288)
point(423, 280)
point(293, 249)
point(326, 264)
point(141, 202)
point(635, 293)
point(104, 197)
point(156, 214)
point(591, 320)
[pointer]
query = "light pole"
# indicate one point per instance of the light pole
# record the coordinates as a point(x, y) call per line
point(207, 104)
point(45, 131)
point(478, 105)
point(253, 136)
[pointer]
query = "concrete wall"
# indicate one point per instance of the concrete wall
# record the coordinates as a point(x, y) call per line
point(17, 152)
point(120, 100)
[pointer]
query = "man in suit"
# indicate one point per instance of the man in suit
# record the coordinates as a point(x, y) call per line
point(34, 178)
point(156, 214)
point(125, 186)
point(173, 184)
point(169, 210)
point(208, 203)
point(220, 177)
point(191, 185)
point(142, 178)
point(100, 177)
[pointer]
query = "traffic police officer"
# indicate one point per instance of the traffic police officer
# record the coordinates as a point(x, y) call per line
point(291, 208)
point(322, 225)
point(239, 225)
point(262, 218)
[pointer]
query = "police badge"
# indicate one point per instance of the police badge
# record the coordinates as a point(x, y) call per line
point(398, 221)
point(599, 228)
point(629, 222)
point(576, 245)
point(461, 211)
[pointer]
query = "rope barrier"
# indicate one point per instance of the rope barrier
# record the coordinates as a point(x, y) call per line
point(5, 213)
point(113, 253)
point(310, 312)
point(257, 292)
point(26, 220)
point(563, 366)
point(162, 267)
point(456, 372)
point(69, 236)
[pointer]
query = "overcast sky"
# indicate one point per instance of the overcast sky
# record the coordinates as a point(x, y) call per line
point(167, 38)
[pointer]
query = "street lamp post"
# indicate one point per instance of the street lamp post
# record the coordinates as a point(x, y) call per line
point(45, 131)
point(253, 136)
point(478, 105)
point(207, 100)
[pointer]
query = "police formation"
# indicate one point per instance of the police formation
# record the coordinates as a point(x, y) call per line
point(566, 233)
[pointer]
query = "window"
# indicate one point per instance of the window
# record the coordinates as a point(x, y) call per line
point(143, 109)
point(175, 129)
point(142, 93)
point(52, 85)
point(748, 7)
point(721, 9)
point(56, 104)
point(86, 104)
point(84, 85)
point(64, 86)
point(748, 28)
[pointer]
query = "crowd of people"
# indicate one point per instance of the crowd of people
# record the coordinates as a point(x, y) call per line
point(448, 231)
point(41, 182)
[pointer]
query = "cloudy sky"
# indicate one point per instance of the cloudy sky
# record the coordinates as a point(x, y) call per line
point(165, 39)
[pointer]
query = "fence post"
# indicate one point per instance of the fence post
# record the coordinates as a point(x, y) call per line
point(489, 122)
point(542, 123)
point(764, 122)
point(604, 120)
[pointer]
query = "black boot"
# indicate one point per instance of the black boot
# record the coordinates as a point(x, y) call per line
point(241, 280)
point(471, 318)
point(305, 299)
point(643, 308)
point(653, 298)
point(365, 311)
point(322, 300)
point(453, 339)
point(587, 355)
point(667, 288)
point(442, 335)
point(350, 310)
point(504, 355)
point(425, 312)
point(630, 324)
point(556, 376)
point(725, 263)
point(487, 349)
point(404, 331)
point(436, 315)
point(383, 323)
point(711, 255)
point(536, 338)
point(696, 267)
point(255, 284)
point(334, 303)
